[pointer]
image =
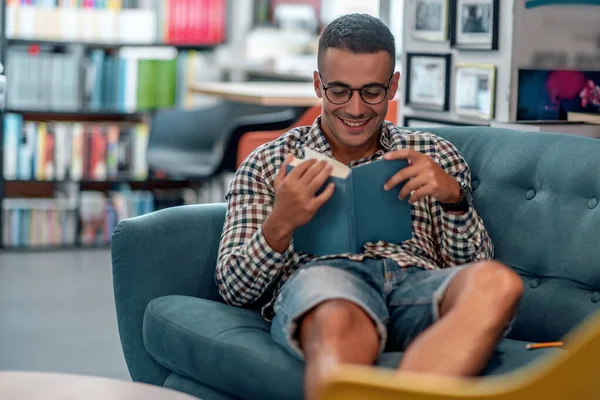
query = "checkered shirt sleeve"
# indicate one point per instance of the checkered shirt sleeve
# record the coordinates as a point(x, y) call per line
point(464, 237)
point(247, 265)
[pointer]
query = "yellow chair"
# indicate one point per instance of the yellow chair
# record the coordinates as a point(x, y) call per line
point(571, 375)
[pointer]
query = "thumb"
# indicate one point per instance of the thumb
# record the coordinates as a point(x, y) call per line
point(283, 169)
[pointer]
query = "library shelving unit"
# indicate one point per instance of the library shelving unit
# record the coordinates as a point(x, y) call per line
point(40, 50)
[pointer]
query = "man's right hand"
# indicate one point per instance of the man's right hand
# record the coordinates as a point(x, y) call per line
point(296, 201)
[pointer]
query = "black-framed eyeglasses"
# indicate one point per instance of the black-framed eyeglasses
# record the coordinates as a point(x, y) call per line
point(341, 94)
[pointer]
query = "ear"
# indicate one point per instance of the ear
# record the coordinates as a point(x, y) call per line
point(317, 84)
point(394, 85)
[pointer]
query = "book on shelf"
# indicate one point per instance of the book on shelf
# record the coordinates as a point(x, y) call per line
point(43, 80)
point(193, 22)
point(87, 218)
point(149, 77)
point(134, 79)
point(590, 118)
point(100, 212)
point(74, 151)
point(39, 222)
point(359, 211)
point(52, 222)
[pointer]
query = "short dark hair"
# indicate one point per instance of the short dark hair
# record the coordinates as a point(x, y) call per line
point(358, 33)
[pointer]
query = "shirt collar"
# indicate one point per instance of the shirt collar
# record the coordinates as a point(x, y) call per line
point(316, 140)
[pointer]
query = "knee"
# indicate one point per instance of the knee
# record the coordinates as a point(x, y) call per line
point(330, 322)
point(332, 318)
point(497, 282)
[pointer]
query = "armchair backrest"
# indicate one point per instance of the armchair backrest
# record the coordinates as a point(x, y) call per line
point(538, 196)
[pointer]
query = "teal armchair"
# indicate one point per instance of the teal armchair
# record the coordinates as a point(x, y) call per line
point(536, 192)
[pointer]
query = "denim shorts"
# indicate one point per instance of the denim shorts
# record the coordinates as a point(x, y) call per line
point(402, 302)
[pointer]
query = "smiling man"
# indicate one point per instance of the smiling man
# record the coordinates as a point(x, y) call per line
point(438, 296)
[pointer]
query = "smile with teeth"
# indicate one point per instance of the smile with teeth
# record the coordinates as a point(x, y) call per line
point(354, 124)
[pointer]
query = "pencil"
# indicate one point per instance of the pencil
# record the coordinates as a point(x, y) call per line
point(533, 346)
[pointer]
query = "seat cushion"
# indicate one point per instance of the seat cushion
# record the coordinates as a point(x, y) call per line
point(508, 356)
point(226, 347)
point(230, 349)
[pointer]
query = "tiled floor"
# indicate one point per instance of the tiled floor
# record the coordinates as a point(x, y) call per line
point(57, 313)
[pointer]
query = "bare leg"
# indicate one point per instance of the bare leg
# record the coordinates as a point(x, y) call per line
point(333, 333)
point(475, 311)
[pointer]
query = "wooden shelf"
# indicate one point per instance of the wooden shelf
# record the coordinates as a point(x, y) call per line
point(44, 189)
point(87, 182)
point(80, 115)
point(138, 185)
point(44, 42)
point(52, 248)
point(287, 94)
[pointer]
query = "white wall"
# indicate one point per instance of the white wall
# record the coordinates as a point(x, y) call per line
point(331, 9)
point(396, 23)
point(501, 58)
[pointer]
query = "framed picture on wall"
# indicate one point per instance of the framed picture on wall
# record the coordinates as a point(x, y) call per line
point(475, 90)
point(428, 81)
point(474, 24)
point(551, 94)
point(431, 20)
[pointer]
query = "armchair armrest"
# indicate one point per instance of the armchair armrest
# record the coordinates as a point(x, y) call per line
point(363, 382)
point(557, 376)
point(168, 252)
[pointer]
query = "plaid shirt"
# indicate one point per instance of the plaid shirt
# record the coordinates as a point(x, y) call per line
point(248, 267)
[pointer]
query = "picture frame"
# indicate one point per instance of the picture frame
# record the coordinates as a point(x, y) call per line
point(474, 24)
point(428, 81)
point(475, 90)
point(431, 20)
point(413, 121)
point(550, 94)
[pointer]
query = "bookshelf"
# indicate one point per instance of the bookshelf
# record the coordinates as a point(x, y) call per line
point(66, 177)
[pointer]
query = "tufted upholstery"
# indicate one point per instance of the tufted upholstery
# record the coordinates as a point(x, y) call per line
point(538, 196)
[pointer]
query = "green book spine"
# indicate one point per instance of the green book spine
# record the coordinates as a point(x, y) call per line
point(146, 90)
point(166, 83)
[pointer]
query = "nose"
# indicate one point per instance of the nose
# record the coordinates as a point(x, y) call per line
point(356, 106)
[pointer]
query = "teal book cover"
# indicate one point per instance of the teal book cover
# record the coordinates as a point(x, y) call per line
point(359, 211)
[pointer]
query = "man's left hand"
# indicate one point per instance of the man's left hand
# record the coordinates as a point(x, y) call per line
point(425, 178)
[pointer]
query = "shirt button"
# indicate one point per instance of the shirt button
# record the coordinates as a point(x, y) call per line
point(592, 203)
point(535, 282)
point(595, 297)
point(475, 184)
point(530, 194)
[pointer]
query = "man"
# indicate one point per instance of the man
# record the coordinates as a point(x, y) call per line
point(437, 296)
point(474, 21)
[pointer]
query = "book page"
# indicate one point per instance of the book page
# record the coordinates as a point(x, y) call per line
point(339, 170)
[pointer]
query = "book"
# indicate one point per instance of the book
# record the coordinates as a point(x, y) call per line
point(591, 118)
point(360, 211)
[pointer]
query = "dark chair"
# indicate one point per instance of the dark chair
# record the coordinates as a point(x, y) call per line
point(198, 144)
